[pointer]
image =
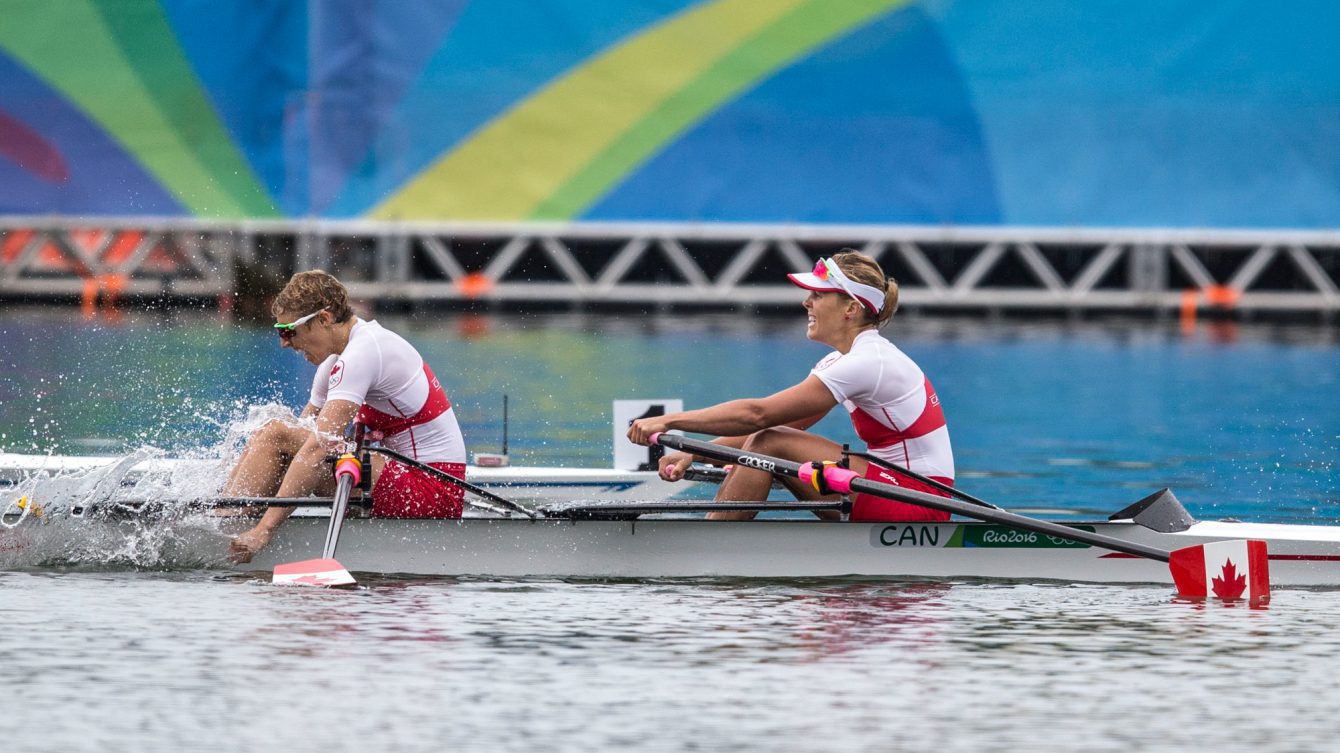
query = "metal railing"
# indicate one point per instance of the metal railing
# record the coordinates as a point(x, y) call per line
point(988, 268)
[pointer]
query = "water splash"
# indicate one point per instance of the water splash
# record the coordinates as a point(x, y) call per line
point(140, 510)
point(51, 489)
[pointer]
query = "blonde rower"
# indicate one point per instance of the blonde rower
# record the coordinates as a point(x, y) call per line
point(892, 405)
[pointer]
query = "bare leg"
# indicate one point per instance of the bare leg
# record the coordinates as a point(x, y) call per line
point(745, 484)
point(265, 459)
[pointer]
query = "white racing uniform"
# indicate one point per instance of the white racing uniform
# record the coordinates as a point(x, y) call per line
point(895, 412)
point(380, 371)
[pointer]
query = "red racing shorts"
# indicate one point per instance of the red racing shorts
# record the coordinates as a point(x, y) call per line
point(405, 492)
point(879, 510)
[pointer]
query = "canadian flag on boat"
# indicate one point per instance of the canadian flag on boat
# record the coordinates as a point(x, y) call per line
point(1227, 570)
point(318, 572)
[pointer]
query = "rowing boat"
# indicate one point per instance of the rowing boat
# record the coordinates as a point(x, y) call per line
point(628, 539)
point(670, 539)
point(533, 484)
point(786, 548)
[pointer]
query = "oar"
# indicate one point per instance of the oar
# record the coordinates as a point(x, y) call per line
point(615, 510)
point(145, 506)
point(713, 475)
point(1196, 570)
point(927, 480)
point(327, 571)
point(506, 504)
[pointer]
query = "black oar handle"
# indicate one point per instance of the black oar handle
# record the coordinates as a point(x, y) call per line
point(462, 483)
point(838, 478)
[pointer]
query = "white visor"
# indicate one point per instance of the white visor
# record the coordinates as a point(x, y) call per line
point(870, 297)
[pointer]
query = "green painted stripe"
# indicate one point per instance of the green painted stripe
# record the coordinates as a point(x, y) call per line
point(555, 153)
point(791, 37)
point(150, 47)
point(68, 45)
point(519, 160)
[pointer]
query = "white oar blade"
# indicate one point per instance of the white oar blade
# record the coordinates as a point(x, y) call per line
point(1228, 570)
point(318, 572)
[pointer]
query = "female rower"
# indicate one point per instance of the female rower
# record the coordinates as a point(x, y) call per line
point(890, 401)
point(365, 372)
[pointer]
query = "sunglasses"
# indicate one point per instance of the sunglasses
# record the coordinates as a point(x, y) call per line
point(823, 267)
point(287, 331)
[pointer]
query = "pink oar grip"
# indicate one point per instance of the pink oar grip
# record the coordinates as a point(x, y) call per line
point(348, 465)
point(839, 479)
point(835, 478)
point(652, 439)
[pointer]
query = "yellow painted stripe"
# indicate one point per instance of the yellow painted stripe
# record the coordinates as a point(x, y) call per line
point(516, 162)
point(797, 34)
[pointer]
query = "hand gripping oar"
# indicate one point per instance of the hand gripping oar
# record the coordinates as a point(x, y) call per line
point(327, 571)
point(501, 505)
point(1224, 569)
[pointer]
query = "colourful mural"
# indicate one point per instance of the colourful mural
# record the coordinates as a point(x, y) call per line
point(1023, 112)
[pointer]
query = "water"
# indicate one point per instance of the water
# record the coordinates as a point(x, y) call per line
point(1075, 417)
point(1087, 417)
point(200, 662)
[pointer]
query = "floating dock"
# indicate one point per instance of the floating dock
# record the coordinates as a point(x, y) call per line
point(681, 265)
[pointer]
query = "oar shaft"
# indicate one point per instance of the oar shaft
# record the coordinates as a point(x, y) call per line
point(927, 480)
point(343, 487)
point(143, 505)
point(579, 510)
point(779, 466)
point(450, 479)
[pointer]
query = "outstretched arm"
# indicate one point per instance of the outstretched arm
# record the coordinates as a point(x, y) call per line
point(800, 406)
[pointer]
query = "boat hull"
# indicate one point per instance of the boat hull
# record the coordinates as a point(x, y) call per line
point(659, 548)
point(674, 545)
point(662, 548)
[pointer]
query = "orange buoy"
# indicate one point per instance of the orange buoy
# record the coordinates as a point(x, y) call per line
point(1222, 296)
point(475, 285)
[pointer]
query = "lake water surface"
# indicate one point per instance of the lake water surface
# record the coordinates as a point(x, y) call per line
point(1072, 417)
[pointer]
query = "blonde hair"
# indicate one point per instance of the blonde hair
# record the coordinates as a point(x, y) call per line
point(865, 270)
point(308, 292)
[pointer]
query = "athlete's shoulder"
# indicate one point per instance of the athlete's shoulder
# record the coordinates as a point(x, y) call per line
point(385, 338)
point(872, 340)
point(827, 361)
point(366, 335)
point(871, 344)
point(365, 329)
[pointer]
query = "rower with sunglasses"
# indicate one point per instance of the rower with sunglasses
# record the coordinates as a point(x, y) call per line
point(365, 372)
point(891, 403)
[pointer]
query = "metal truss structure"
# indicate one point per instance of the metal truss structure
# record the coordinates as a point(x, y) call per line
point(44, 258)
point(981, 268)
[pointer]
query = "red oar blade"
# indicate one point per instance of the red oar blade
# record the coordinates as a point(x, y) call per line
point(318, 572)
point(1227, 570)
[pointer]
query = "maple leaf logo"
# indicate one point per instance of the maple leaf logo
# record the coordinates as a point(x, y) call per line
point(313, 580)
point(1231, 585)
